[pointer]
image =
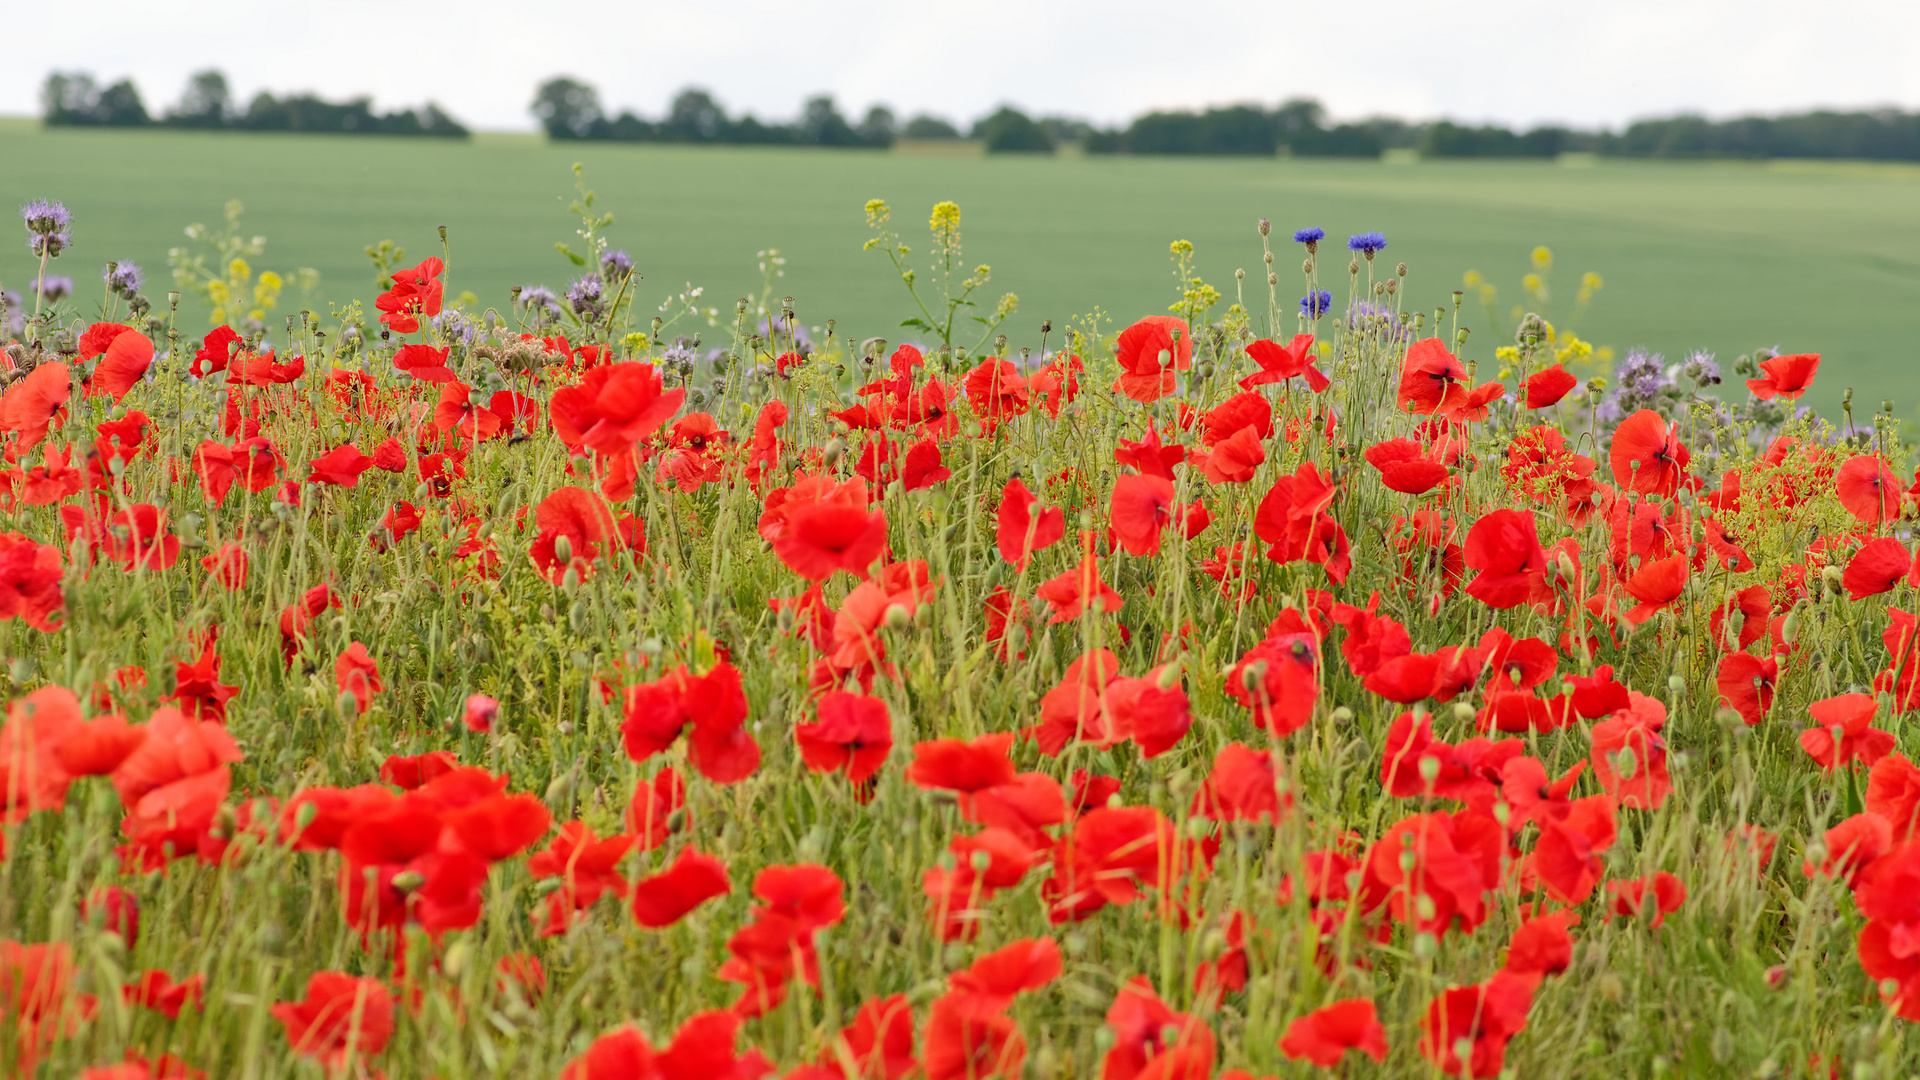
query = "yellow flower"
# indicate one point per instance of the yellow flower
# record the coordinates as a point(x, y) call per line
point(1531, 283)
point(238, 270)
point(877, 212)
point(1472, 280)
point(946, 217)
point(1180, 247)
point(1507, 354)
point(1542, 258)
point(637, 340)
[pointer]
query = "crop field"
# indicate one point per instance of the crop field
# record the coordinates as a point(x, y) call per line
point(1161, 678)
point(1722, 257)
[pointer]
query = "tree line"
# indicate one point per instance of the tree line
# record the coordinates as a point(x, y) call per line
point(570, 109)
point(75, 99)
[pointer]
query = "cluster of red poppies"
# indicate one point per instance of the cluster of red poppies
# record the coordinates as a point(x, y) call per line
point(1484, 823)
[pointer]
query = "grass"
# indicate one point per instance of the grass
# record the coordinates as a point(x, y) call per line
point(1725, 257)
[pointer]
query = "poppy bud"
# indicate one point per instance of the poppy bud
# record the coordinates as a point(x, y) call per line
point(577, 615)
point(897, 616)
point(1429, 770)
point(563, 549)
point(570, 580)
point(1462, 713)
point(409, 880)
point(1790, 629)
point(346, 705)
point(1343, 715)
point(836, 446)
point(1254, 675)
point(1502, 813)
point(1169, 676)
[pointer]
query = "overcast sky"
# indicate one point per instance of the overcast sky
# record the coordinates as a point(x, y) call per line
point(1514, 61)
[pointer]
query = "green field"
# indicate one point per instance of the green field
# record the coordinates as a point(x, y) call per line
point(1726, 257)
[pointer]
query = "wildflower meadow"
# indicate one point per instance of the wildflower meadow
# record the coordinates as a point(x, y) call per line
point(1277, 682)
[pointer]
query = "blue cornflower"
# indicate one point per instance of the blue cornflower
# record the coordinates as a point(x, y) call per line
point(1310, 236)
point(1367, 243)
point(1316, 303)
point(124, 278)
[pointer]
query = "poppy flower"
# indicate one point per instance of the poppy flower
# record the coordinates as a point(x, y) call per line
point(1431, 379)
point(1876, 568)
point(960, 766)
point(651, 813)
point(1629, 755)
point(1018, 531)
point(921, 469)
point(1844, 732)
point(1869, 489)
point(710, 709)
point(1140, 508)
point(1661, 893)
point(414, 292)
point(665, 898)
point(39, 998)
point(214, 351)
point(357, 674)
point(1148, 457)
point(613, 407)
point(1281, 362)
point(1542, 945)
point(1480, 1019)
point(1785, 376)
point(1243, 786)
point(1546, 388)
point(1150, 1037)
point(118, 909)
point(996, 390)
point(1234, 459)
point(1114, 855)
point(31, 404)
point(575, 527)
point(1078, 590)
point(1324, 1035)
point(1503, 546)
point(1404, 467)
point(1567, 859)
point(878, 1045)
point(853, 733)
point(262, 370)
point(424, 363)
point(125, 359)
point(341, 1018)
point(1893, 792)
point(1746, 684)
point(1851, 847)
point(1471, 407)
point(822, 537)
point(1752, 606)
point(30, 575)
point(1150, 352)
point(1647, 455)
point(1279, 679)
point(1656, 585)
point(156, 990)
point(410, 773)
point(340, 466)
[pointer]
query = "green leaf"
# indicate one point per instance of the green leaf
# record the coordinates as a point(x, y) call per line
point(577, 260)
point(921, 323)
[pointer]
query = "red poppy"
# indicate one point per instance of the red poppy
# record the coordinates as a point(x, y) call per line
point(156, 990)
point(665, 898)
point(613, 407)
point(1293, 519)
point(1279, 679)
point(1546, 388)
point(1279, 363)
point(821, 537)
point(118, 909)
point(1503, 546)
point(1234, 459)
point(1150, 352)
point(357, 674)
point(1431, 379)
point(1404, 467)
point(414, 772)
point(1629, 755)
point(921, 469)
point(1656, 585)
point(126, 356)
point(1746, 684)
point(1785, 376)
point(575, 530)
point(1844, 732)
point(341, 466)
point(32, 404)
point(30, 575)
point(1851, 847)
point(1567, 858)
point(1876, 568)
point(214, 351)
point(658, 808)
point(1243, 786)
point(39, 999)
point(262, 370)
point(1661, 893)
point(425, 363)
point(711, 709)
point(853, 733)
point(1078, 590)
point(961, 766)
point(415, 292)
point(1647, 455)
point(341, 1018)
point(1480, 1019)
point(1471, 406)
point(1542, 945)
point(1151, 1039)
point(1324, 1035)
point(1140, 508)
point(996, 390)
point(878, 1045)
point(1869, 489)
point(1018, 531)
point(1893, 792)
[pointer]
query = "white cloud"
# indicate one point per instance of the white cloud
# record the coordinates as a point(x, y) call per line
point(1513, 61)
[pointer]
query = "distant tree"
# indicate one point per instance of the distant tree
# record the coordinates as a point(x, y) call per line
point(1296, 116)
point(206, 103)
point(1345, 140)
point(694, 116)
point(1064, 130)
point(750, 131)
point(630, 128)
point(75, 99)
point(1010, 131)
point(567, 108)
point(879, 128)
point(1164, 133)
point(924, 126)
point(822, 125)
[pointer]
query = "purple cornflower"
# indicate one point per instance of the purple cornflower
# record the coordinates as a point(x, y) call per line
point(1367, 243)
point(1316, 303)
point(124, 278)
point(1312, 235)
